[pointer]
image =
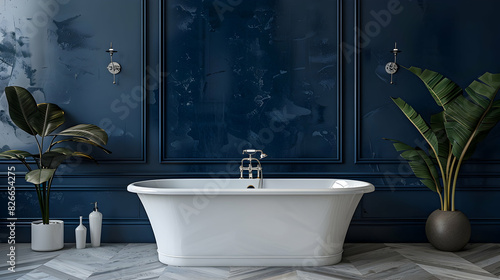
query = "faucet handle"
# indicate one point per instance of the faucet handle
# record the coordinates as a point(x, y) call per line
point(253, 151)
point(249, 151)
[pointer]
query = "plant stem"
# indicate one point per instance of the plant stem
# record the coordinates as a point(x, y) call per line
point(444, 177)
point(45, 188)
point(448, 181)
point(445, 199)
point(452, 167)
point(440, 197)
point(450, 155)
point(40, 148)
point(25, 163)
point(40, 200)
point(51, 143)
point(455, 182)
point(445, 192)
point(46, 214)
point(49, 185)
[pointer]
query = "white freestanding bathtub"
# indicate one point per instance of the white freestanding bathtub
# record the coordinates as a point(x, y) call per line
point(220, 222)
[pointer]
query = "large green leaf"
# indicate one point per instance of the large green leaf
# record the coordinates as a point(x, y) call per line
point(15, 154)
point(22, 109)
point(39, 176)
point(88, 131)
point(420, 163)
point(81, 140)
point(51, 118)
point(417, 120)
point(84, 155)
point(53, 159)
point(64, 151)
point(468, 120)
point(442, 89)
point(438, 127)
point(70, 153)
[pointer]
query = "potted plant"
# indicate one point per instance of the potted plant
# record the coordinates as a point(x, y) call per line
point(452, 136)
point(40, 121)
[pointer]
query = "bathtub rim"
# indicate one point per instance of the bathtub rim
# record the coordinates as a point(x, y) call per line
point(363, 187)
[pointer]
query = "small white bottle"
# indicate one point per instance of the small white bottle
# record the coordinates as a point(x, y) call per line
point(81, 235)
point(95, 224)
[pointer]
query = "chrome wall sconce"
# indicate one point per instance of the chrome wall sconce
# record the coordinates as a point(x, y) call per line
point(113, 67)
point(392, 67)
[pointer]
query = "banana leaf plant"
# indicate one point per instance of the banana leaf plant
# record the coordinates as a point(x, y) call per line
point(452, 134)
point(40, 121)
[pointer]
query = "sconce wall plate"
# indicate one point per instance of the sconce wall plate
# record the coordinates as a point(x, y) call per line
point(392, 67)
point(113, 67)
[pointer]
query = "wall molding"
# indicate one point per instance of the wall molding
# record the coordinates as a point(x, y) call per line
point(26, 221)
point(355, 221)
point(415, 221)
point(218, 174)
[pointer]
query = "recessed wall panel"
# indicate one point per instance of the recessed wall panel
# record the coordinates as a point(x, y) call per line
point(258, 74)
point(431, 35)
point(57, 50)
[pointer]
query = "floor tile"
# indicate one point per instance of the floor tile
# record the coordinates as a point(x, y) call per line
point(133, 261)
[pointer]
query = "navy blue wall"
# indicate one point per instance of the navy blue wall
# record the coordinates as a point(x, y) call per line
point(202, 80)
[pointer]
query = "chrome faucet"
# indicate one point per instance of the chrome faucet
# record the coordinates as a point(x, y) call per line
point(250, 168)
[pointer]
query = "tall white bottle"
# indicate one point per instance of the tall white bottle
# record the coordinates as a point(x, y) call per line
point(95, 224)
point(80, 235)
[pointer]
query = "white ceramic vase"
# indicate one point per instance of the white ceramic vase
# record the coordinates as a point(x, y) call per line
point(47, 237)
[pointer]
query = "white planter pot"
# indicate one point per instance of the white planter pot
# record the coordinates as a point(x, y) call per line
point(47, 237)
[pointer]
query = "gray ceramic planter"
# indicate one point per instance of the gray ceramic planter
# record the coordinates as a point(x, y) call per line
point(448, 230)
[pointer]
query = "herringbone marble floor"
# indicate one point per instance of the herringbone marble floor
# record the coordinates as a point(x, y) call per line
point(360, 261)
